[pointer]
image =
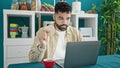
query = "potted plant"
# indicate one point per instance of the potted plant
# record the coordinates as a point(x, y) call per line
point(109, 30)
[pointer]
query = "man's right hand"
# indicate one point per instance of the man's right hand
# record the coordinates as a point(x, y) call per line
point(43, 38)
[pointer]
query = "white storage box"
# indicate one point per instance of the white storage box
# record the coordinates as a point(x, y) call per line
point(86, 31)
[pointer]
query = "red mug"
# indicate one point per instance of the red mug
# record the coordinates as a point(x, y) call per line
point(48, 63)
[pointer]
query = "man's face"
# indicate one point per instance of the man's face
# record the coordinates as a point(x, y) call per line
point(62, 20)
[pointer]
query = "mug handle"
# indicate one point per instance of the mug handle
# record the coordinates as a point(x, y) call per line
point(19, 29)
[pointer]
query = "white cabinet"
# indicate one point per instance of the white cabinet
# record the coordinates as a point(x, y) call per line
point(16, 49)
point(17, 54)
point(88, 21)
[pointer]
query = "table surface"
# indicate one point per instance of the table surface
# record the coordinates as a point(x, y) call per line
point(107, 61)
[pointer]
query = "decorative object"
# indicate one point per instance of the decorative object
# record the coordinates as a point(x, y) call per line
point(47, 7)
point(23, 5)
point(93, 10)
point(24, 31)
point(13, 30)
point(38, 5)
point(86, 31)
point(33, 5)
point(14, 5)
point(76, 6)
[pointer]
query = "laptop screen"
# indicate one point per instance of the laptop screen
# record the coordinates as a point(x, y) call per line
point(80, 54)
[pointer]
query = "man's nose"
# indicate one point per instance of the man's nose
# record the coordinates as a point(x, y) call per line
point(64, 21)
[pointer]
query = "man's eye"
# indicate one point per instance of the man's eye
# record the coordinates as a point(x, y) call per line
point(60, 18)
point(68, 18)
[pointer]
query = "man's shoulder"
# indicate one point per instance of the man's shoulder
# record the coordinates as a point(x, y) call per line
point(72, 28)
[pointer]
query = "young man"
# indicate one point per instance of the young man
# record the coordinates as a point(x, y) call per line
point(50, 41)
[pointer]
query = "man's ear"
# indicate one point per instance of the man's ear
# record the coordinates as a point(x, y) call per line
point(53, 16)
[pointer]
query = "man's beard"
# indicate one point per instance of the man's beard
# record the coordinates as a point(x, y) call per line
point(62, 27)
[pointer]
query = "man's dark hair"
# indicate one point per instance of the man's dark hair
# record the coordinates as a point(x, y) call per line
point(63, 7)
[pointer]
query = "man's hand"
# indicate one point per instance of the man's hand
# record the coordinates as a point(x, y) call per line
point(43, 38)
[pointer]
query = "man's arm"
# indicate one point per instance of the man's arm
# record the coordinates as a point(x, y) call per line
point(36, 53)
point(77, 36)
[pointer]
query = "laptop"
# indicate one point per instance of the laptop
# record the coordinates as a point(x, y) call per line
point(80, 54)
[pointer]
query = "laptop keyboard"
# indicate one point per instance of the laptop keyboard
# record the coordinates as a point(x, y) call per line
point(60, 62)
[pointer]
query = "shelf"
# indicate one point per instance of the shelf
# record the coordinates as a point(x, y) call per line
point(19, 41)
point(17, 14)
point(87, 15)
point(88, 21)
point(44, 13)
point(90, 38)
point(26, 12)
